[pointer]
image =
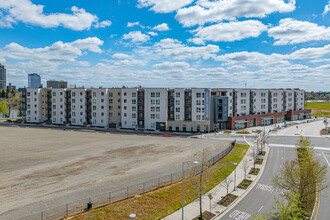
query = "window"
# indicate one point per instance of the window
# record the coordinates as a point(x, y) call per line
point(110, 101)
point(110, 107)
point(157, 94)
point(157, 102)
point(94, 101)
point(102, 113)
point(110, 94)
point(81, 100)
point(243, 108)
point(54, 119)
point(94, 94)
point(198, 110)
point(54, 113)
point(275, 99)
point(81, 113)
point(54, 93)
point(203, 95)
point(243, 101)
point(275, 106)
point(177, 109)
point(110, 114)
point(102, 106)
point(263, 106)
point(125, 114)
point(54, 100)
point(102, 93)
point(133, 108)
point(94, 114)
point(118, 93)
point(125, 107)
point(157, 116)
point(73, 100)
point(28, 94)
point(125, 93)
point(134, 94)
point(73, 113)
point(198, 95)
point(94, 107)
point(198, 117)
point(102, 100)
point(125, 100)
point(157, 109)
point(198, 102)
point(54, 106)
point(152, 109)
point(289, 94)
point(263, 94)
point(118, 100)
point(275, 94)
point(177, 95)
point(263, 100)
point(73, 94)
point(152, 101)
point(177, 117)
point(243, 94)
point(61, 106)
point(290, 100)
point(134, 115)
point(152, 94)
point(152, 125)
point(177, 102)
point(133, 101)
point(81, 93)
point(152, 116)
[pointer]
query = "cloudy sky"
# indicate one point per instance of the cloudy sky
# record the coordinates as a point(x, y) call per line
point(168, 43)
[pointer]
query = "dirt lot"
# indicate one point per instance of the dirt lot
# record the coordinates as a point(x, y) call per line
point(43, 168)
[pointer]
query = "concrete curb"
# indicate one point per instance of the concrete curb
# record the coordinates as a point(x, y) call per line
point(241, 197)
point(315, 205)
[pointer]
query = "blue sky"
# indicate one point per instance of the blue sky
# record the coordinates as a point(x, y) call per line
point(168, 43)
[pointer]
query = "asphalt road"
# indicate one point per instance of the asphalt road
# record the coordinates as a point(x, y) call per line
point(261, 198)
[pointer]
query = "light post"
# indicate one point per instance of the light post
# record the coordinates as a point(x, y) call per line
point(132, 216)
point(194, 162)
point(235, 177)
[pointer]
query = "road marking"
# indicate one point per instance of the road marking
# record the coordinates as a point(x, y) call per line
point(260, 209)
point(326, 159)
point(294, 146)
point(268, 188)
point(318, 205)
point(239, 215)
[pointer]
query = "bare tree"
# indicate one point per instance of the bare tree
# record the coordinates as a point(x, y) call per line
point(226, 183)
point(245, 166)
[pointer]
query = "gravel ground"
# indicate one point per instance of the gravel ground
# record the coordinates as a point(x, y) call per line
point(44, 168)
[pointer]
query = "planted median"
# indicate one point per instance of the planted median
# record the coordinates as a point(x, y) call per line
point(161, 203)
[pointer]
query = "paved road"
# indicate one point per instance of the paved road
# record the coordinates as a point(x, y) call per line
point(261, 198)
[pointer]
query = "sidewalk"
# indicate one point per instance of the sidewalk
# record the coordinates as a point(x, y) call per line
point(218, 192)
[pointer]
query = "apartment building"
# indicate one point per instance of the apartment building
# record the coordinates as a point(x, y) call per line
point(80, 106)
point(276, 97)
point(188, 110)
point(241, 103)
point(114, 107)
point(164, 109)
point(155, 108)
point(57, 106)
point(129, 109)
point(100, 107)
point(36, 105)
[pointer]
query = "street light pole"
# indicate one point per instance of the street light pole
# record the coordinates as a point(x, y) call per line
point(194, 162)
point(235, 177)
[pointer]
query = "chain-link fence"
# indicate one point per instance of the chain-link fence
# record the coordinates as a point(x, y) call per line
point(107, 198)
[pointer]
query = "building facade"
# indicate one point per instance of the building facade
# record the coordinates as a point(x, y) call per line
point(164, 109)
point(57, 84)
point(3, 77)
point(34, 80)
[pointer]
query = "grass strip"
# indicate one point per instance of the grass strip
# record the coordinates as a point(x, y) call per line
point(160, 203)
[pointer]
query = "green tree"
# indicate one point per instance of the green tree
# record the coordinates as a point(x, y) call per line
point(3, 108)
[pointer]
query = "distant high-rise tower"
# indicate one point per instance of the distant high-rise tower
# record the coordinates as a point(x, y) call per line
point(3, 77)
point(34, 80)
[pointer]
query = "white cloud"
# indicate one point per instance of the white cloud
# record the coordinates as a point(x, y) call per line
point(231, 31)
point(176, 50)
point(103, 24)
point(310, 53)
point(132, 24)
point(214, 11)
point(136, 36)
point(25, 11)
point(52, 56)
point(326, 9)
point(172, 65)
point(291, 31)
point(151, 33)
point(164, 6)
point(120, 56)
point(161, 27)
point(128, 62)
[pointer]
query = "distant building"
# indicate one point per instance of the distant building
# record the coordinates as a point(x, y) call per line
point(57, 84)
point(34, 80)
point(11, 87)
point(2, 77)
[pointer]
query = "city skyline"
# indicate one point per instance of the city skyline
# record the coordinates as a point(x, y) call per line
point(184, 43)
